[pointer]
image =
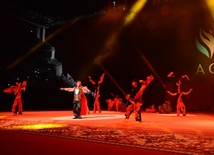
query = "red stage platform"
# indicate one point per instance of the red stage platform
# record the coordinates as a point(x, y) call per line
point(193, 124)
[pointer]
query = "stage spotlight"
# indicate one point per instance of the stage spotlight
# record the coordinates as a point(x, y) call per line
point(37, 126)
point(114, 3)
point(210, 4)
point(1, 117)
point(134, 11)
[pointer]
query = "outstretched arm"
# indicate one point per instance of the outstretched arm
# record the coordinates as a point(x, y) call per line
point(186, 93)
point(67, 89)
point(85, 89)
point(170, 93)
point(11, 89)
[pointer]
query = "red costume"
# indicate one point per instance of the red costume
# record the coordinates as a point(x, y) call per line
point(17, 90)
point(97, 93)
point(84, 105)
point(137, 100)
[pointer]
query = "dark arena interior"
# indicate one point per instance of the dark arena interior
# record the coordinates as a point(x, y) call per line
point(165, 46)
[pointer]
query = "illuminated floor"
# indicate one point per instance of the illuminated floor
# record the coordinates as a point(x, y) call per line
point(195, 123)
point(193, 132)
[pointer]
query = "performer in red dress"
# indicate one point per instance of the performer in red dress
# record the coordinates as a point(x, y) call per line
point(17, 90)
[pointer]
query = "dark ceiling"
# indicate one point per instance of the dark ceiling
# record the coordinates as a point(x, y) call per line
point(49, 13)
point(20, 18)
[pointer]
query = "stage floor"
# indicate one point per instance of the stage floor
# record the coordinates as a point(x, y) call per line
point(107, 133)
point(192, 123)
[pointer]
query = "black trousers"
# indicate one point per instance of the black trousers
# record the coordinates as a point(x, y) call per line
point(76, 108)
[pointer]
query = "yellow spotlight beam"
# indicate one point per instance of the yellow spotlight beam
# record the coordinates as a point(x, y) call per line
point(38, 126)
point(111, 40)
point(210, 4)
point(134, 11)
point(108, 47)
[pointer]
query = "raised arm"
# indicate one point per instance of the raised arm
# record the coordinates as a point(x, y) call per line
point(186, 76)
point(143, 87)
point(101, 78)
point(146, 82)
point(91, 80)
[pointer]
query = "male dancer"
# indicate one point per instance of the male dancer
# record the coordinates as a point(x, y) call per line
point(135, 97)
point(79, 100)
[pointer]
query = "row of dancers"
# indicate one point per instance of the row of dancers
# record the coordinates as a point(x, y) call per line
point(80, 105)
point(135, 98)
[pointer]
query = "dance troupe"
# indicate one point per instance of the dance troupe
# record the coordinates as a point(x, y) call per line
point(80, 105)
